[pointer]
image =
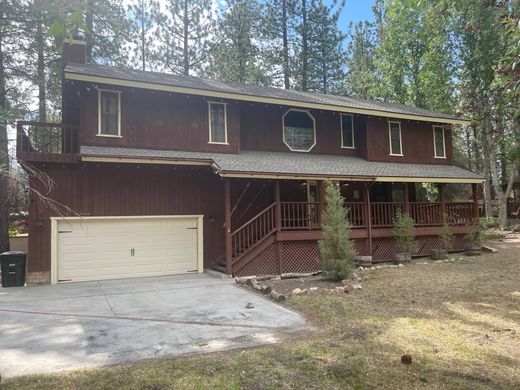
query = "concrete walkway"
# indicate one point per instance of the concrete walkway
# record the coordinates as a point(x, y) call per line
point(81, 325)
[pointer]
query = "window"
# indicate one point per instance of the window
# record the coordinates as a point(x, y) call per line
point(109, 106)
point(439, 142)
point(347, 131)
point(396, 144)
point(299, 130)
point(217, 123)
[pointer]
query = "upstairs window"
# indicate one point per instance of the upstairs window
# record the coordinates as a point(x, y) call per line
point(347, 131)
point(299, 130)
point(439, 142)
point(396, 144)
point(217, 123)
point(109, 108)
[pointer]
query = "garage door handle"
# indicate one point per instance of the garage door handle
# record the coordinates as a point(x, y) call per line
point(132, 252)
point(192, 228)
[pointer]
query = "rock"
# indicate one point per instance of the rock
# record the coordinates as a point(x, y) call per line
point(346, 282)
point(488, 249)
point(361, 268)
point(305, 291)
point(354, 275)
point(400, 265)
point(297, 291)
point(249, 305)
point(347, 289)
point(406, 359)
point(312, 289)
point(357, 287)
point(339, 288)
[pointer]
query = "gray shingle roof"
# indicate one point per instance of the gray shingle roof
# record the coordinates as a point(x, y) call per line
point(294, 164)
point(197, 83)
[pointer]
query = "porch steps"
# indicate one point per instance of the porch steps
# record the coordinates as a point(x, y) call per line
point(261, 245)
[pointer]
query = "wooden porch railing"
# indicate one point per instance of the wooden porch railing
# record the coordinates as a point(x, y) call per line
point(253, 231)
point(383, 214)
point(300, 215)
point(306, 216)
point(46, 138)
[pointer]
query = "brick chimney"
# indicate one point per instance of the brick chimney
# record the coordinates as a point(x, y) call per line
point(74, 51)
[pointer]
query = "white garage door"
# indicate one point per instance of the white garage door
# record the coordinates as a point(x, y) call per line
point(92, 248)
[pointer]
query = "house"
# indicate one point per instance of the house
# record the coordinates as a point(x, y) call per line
point(162, 174)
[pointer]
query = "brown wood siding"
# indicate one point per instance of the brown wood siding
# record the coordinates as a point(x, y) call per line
point(417, 140)
point(261, 129)
point(110, 190)
point(157, 120)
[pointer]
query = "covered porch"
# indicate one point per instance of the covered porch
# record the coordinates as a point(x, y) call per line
point(275, 224)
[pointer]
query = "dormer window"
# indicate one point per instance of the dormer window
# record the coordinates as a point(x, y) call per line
point(439, 142)
point(109, 113)
point(217, 123)
point(396, 143)
point(299, 130)
point(347, 131)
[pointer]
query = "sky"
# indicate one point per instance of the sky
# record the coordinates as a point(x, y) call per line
point(355, 11)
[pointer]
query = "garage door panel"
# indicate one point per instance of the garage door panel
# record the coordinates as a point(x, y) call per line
point(97, 249)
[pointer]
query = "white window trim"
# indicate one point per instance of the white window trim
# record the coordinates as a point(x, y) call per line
point(313, 127)
point(99, 134)
point(352, 130)
point(443, 142)
point(390, 138)
point(225, 123)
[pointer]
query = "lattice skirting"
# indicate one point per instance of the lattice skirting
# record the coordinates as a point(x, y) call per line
point(266, 263)
point(304, 256)
point(385, 249)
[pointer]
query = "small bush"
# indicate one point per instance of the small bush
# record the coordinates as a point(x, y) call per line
point(404, 232)
point(446, 237)
point(489, 222)
point(475, 236)
point(337, 251)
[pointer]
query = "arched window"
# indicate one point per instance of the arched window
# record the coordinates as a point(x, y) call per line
point(299, 130)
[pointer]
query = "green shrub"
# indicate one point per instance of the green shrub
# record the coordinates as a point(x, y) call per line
point(337, 251)
point(489, 222)
point(404, 232)
point(475, 236)
point(446, 237)
point(13, 228)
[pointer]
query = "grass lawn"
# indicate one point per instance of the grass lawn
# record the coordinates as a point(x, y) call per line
point(459, 321)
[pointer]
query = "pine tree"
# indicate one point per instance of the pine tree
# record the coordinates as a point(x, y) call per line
point(279, 31)
point(183, 33)
point(361, 78)
point(337, 251)
point(326, 53)
point(143, 22)
point(234, 54)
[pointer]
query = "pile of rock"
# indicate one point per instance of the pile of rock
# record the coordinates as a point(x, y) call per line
point(264, 289)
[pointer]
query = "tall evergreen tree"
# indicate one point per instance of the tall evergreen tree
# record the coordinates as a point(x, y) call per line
point(143, 22)
point(326, 53)
point(235, 56)
point(279, 29)
point(183, 33)
point(361, 78)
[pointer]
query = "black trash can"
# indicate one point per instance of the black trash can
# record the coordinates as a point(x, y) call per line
point(13, 269)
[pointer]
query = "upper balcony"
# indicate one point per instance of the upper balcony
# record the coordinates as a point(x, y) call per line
point(47, 142)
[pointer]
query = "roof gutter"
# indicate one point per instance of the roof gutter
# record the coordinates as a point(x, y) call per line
point(258, 99)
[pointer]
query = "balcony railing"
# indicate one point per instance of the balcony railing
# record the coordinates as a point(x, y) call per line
point(306, 216)
point(46, 138)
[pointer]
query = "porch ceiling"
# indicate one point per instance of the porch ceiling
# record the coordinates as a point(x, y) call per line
point(250, 163)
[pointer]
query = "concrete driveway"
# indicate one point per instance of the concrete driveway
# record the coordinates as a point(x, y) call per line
point(81, 325)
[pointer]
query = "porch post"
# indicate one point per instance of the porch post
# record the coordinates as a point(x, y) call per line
point(227, 202)
point(476, 213)
point(442, 199)
point(278, 216)
point(407, 198)
point(368, 215)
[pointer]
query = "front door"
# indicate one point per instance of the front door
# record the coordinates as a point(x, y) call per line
point(313, 203)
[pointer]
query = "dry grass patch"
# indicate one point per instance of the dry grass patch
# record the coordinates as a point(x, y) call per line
point(459, 321)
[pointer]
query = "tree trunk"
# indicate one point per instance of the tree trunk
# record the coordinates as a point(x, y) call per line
point(285, 52)
point(40, 71)
point(143, 36)
point(4, 160)
point(89, 28)
point(305, 46)
point(186, 22)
